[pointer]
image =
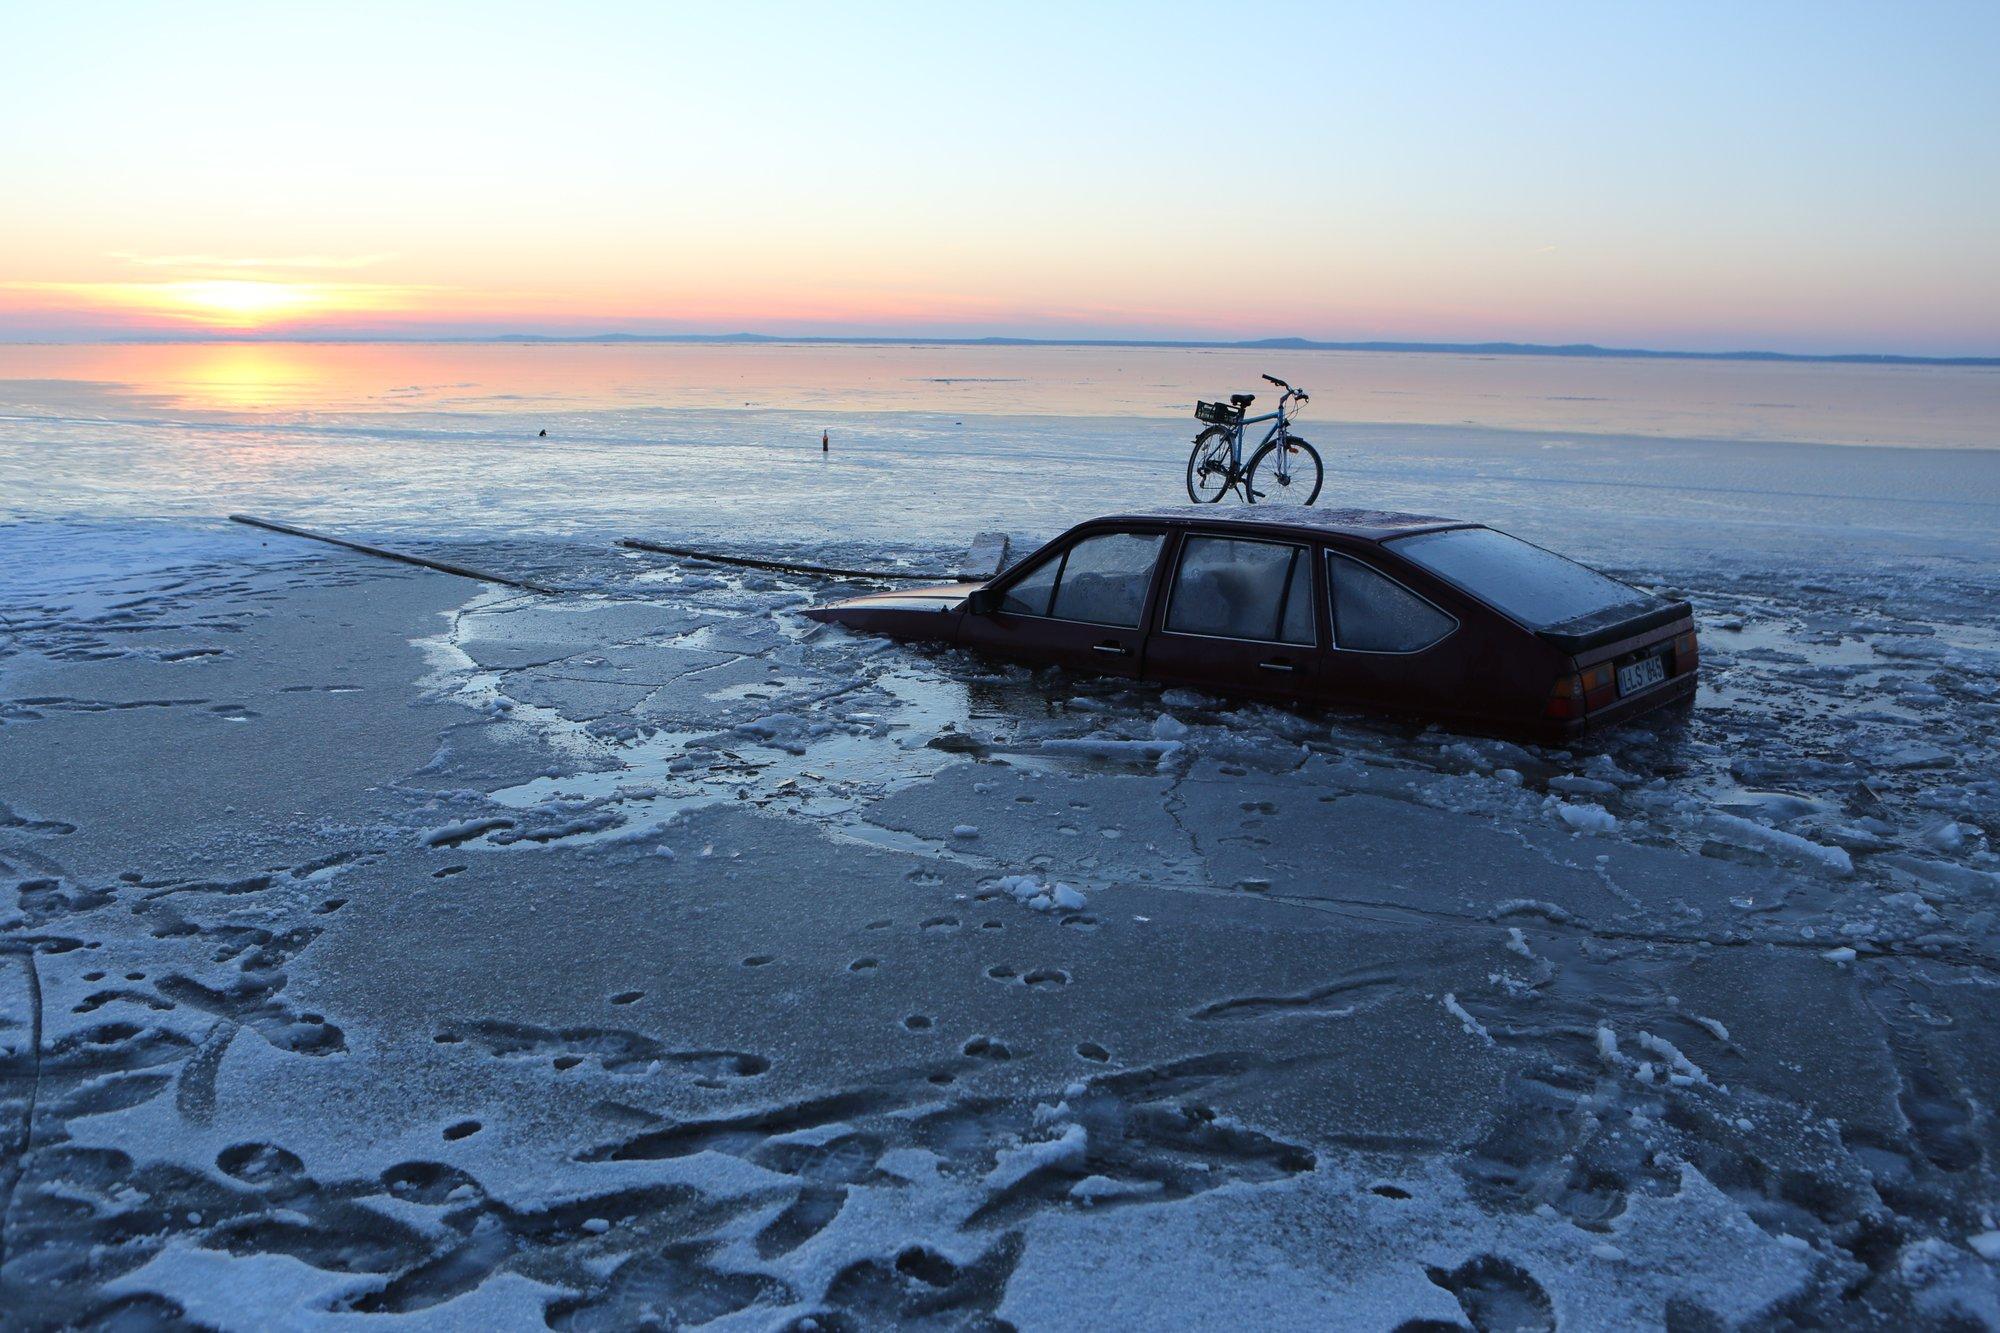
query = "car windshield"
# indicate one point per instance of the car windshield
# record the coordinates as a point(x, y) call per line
point(1538, 588)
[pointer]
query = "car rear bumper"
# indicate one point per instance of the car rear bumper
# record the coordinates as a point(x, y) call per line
point(1675, 689)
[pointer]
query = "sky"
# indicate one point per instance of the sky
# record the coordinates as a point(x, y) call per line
point(1807, 177)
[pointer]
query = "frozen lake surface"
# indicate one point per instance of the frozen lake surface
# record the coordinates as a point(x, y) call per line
point(382, 948)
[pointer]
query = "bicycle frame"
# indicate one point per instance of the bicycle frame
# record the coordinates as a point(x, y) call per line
point(1236, 435)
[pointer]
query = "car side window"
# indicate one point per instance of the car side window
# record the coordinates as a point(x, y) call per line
point(1101, 580)
point(1230, 589)
point(1029, 595)
point(1372, 613)
point(1104, 579)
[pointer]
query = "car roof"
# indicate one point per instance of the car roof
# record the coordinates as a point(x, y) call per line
point(1367, 524)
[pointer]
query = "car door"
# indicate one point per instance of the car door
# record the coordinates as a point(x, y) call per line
point(1081, 606)
point(1390, 644)
point(1239, 614)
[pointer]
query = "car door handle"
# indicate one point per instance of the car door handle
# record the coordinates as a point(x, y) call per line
point(1277, 664)
point(1110, 646)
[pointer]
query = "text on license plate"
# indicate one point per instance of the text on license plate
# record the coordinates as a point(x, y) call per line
point(1642, 675)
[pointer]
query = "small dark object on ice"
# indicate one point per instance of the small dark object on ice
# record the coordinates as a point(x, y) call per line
point(545, 433)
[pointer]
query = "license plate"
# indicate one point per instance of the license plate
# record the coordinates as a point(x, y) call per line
point(1643, 674)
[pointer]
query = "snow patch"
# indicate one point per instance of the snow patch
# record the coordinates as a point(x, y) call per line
point(1013, 1165)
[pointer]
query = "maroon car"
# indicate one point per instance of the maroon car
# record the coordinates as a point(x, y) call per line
point(1358, 607)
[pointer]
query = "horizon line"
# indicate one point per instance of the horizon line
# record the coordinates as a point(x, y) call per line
point(1282, 344)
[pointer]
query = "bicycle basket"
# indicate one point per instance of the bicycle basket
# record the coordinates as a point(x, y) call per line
point(1218, 414)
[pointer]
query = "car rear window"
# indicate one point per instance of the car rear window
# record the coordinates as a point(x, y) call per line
point(1538, 588)
point(1101, 580)
point(1372, 613)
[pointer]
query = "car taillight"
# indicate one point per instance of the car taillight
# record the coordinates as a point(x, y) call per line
point(1687, 652)
point(1570, 694)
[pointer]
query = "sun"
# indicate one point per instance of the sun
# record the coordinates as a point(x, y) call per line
point(240, 300)
point(238, 305)
point(247, 303)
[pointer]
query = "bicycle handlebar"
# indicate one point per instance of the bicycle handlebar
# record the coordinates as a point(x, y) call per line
point(1275, 380)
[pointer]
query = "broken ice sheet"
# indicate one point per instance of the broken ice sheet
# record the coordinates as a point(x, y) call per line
point(622, 954)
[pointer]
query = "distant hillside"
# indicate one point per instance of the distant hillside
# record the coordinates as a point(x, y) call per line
point(1256, 344)
point(1251, 345)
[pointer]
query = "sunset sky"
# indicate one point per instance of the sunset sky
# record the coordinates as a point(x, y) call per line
point(1803, 177)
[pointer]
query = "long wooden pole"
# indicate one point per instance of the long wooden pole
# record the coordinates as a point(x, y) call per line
point(444, 566)
point(788, 566)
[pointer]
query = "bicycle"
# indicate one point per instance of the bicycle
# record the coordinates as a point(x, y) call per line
point(1293, 473)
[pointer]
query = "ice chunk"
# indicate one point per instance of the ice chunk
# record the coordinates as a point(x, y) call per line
point(1020, 887)
point(1949, 836)
point(1750, 831)
point(1607, 1045)
point(1857, 839)
point(1986, 1245)
point(1681, 1066)
point(1472, 1025)
point(1942, 874)
point(1530, 907)
point(1916, 754)
point(964, 830)
point(988, 556)
point(1098, 1189)
point(1043, 897)
point(1107, 747)
point(777, 724)
point(1841, 956)
point(452, 835)
point(1586, 818)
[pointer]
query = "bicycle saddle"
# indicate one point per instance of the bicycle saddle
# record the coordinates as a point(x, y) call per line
point(1243, 399)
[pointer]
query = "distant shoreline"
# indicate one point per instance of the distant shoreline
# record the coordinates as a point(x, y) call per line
point(1574, 350)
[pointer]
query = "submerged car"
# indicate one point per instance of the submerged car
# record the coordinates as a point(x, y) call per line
point(1401, 612)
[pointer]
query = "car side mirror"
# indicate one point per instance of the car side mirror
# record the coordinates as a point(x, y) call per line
point(982, 601)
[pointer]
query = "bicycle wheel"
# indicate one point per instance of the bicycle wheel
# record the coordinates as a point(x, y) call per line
point(1289, 478)
point(1208, 474)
